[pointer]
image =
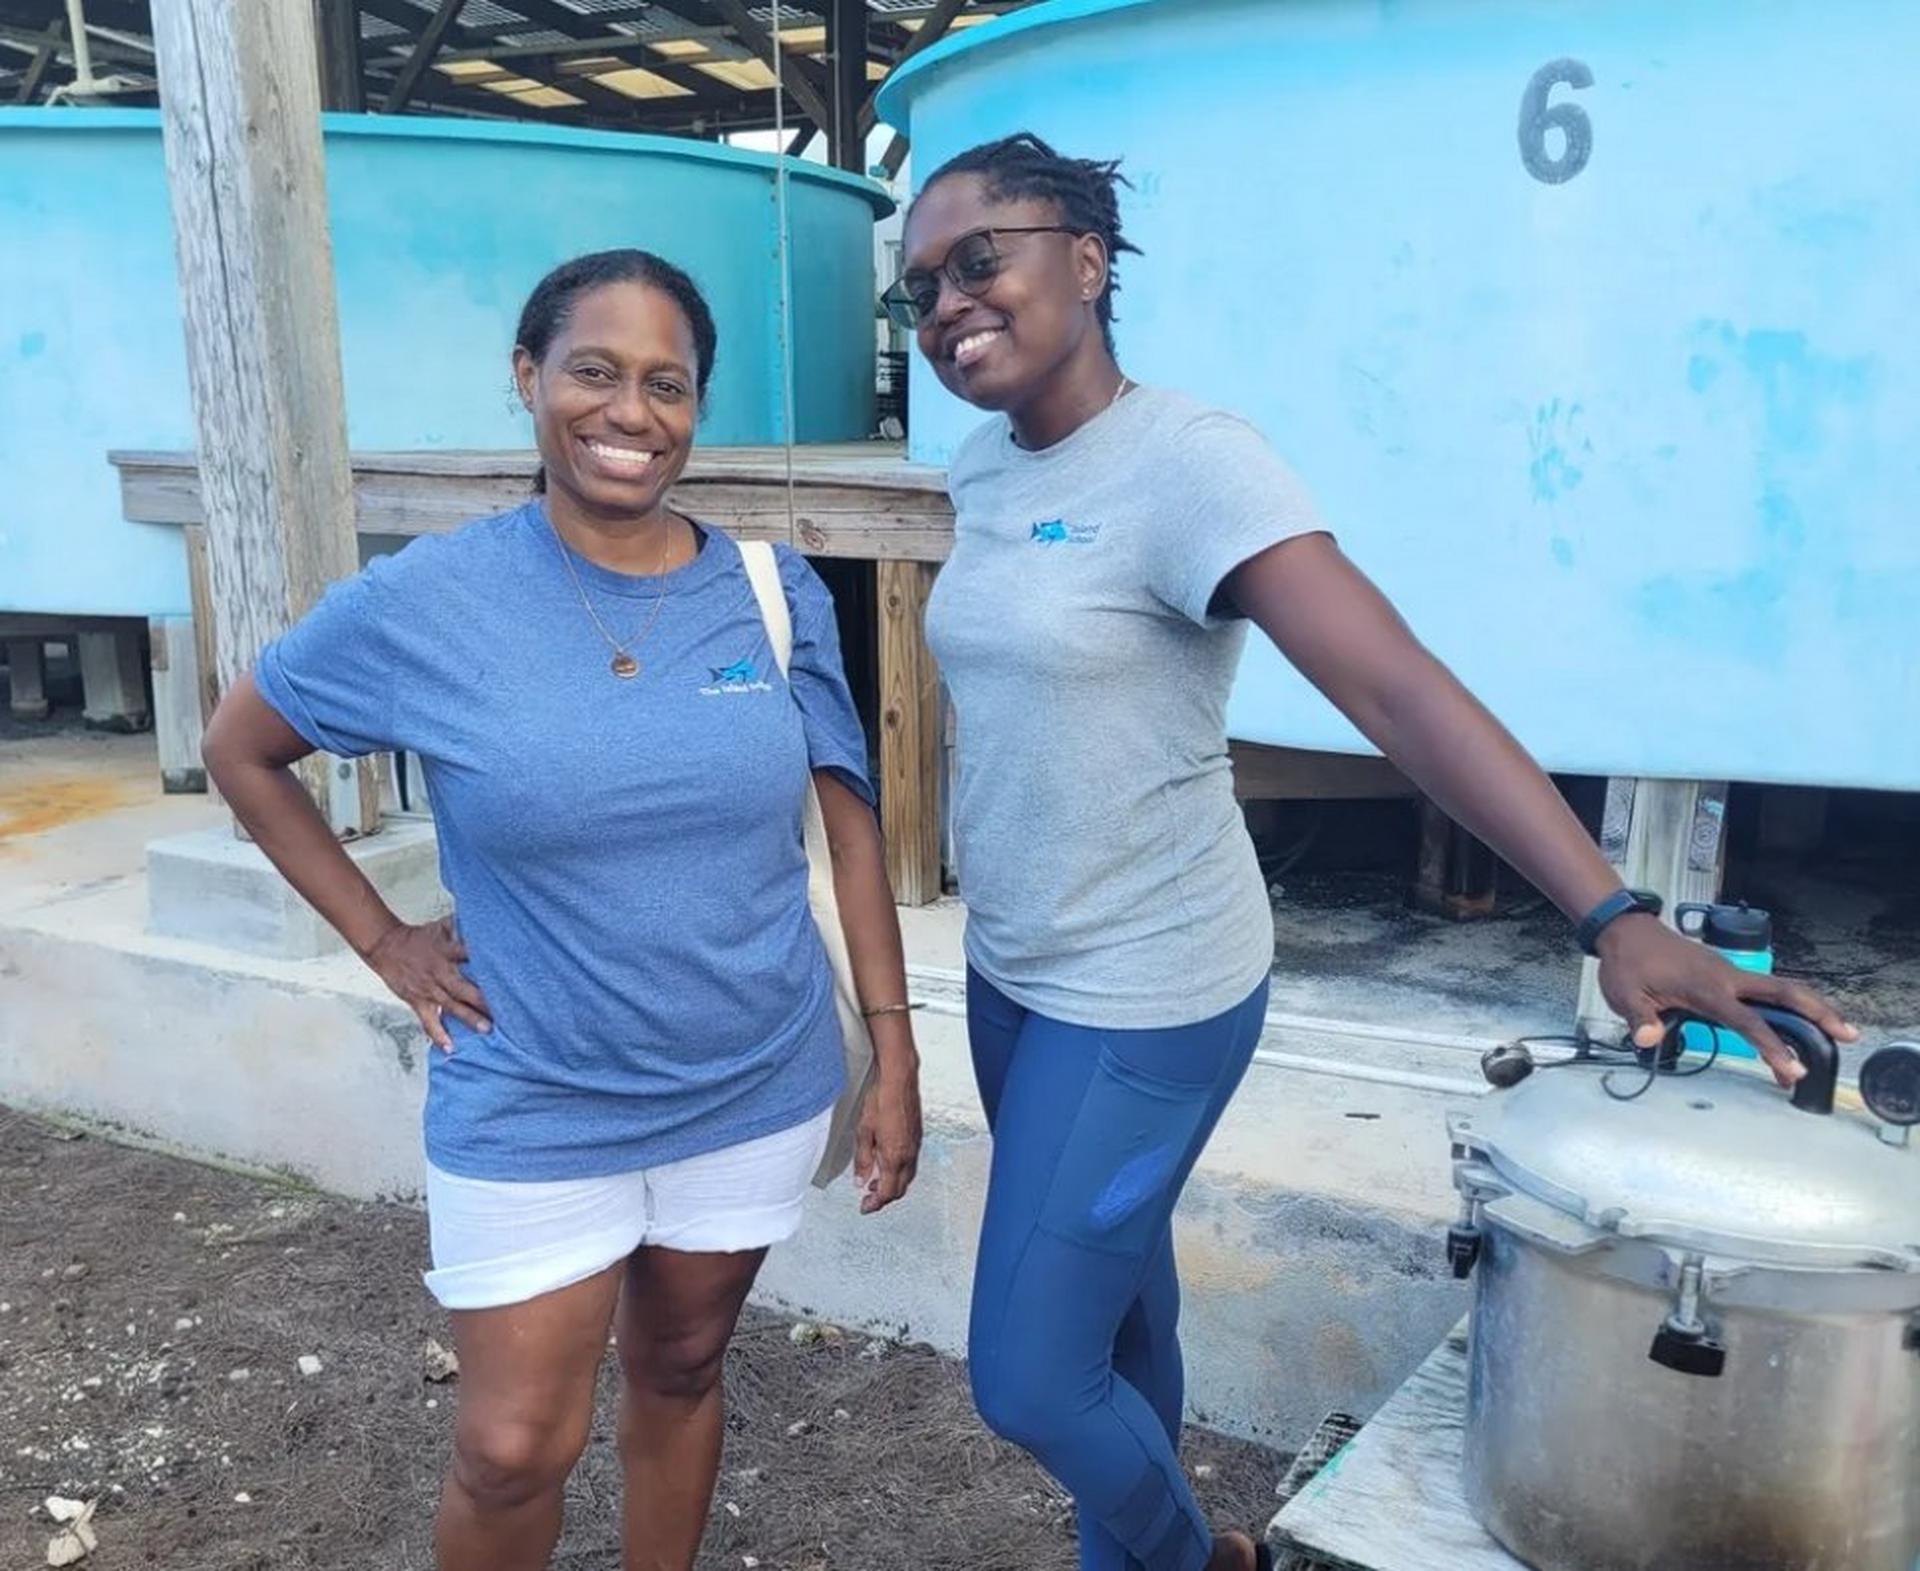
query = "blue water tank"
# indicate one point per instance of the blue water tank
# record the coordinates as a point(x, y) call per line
point(439, 229)
point(1589, 322)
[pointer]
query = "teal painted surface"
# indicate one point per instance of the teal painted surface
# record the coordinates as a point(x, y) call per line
point(1635, 451)
point(439, 230)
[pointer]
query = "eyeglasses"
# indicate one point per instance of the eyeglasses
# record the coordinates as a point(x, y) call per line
point(971, 265)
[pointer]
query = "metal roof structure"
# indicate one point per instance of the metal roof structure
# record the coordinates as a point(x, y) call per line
point(680, 67)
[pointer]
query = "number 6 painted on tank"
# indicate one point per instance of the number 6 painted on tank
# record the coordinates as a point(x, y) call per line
point(1537, 118)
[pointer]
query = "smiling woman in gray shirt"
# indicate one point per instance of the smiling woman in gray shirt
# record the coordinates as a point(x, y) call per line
point(1112, 544)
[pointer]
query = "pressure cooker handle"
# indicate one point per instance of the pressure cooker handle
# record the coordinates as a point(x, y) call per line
point(1812, 1046)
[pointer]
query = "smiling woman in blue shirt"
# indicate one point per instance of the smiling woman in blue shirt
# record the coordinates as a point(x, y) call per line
point(639, 1047)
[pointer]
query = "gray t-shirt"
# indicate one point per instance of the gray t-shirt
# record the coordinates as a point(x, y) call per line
point(1109, 877)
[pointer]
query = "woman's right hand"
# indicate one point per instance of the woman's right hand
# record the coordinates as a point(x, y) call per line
point(421, 964)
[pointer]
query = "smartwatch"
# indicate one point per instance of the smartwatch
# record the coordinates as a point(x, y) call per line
point(1622, 902)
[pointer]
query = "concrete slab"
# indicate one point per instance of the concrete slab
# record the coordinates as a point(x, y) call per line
point(210, 886)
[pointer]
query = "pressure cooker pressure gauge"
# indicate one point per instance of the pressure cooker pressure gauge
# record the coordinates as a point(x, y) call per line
point(1890, 1084)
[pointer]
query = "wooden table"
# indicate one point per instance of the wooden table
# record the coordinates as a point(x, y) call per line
point(1392, 1500)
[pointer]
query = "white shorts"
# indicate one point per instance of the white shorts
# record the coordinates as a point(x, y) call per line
point(498, 1243)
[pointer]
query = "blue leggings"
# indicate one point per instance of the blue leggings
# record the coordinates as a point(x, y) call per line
point(1073, 1348)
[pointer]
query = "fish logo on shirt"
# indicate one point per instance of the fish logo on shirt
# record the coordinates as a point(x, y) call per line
point(743, 676)
point(1057, 531)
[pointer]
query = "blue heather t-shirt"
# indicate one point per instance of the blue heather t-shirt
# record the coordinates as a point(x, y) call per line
point(625, 857)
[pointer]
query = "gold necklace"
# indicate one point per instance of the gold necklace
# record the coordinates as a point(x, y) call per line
point(623, 664)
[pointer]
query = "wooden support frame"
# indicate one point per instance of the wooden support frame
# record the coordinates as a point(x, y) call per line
point(910, 742)
point(847, 70)
point(857, 501)
point(43, 58)
point(427, 46)
point(798, 76)
point(935, 27)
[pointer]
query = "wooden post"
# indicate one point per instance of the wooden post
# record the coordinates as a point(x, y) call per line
point(1668, 836)
point(113, 680)
point(240, 114)
point(178, 725)
point(909, 734)
point(27, 679)
point(1457, 875)
point(847, 52)
point(336, 25)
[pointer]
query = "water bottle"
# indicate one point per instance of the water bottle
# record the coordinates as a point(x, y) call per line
point(1743, 935)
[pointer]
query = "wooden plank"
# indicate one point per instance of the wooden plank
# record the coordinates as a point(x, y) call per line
point(200, 598)
point(240, 122)
point(882, 464)
point(1283, 774)
point(27, 678)
point(178, 725)
point(56, 624)
point(43, 57)
point(850, 502)
point(909, 735)
point(431, 37)
point(1668, 836)
point(1392, 1499)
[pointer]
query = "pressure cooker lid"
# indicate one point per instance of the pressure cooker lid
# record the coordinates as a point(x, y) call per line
point(1721, 1161)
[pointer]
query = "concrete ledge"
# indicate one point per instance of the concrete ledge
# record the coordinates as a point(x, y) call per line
point(1311, 1237)
point(211, 887)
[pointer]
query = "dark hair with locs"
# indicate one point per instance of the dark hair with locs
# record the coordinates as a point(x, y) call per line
point(1085, 191)
point(550, 306)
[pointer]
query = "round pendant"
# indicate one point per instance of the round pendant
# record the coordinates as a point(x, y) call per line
point(625, 666)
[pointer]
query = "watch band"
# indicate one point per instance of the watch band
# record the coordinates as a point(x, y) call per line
point(1621, 902)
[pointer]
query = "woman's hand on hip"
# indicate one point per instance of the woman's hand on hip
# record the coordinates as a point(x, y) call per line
point(421, 964)
point(1646, 969)
point(887, 1144)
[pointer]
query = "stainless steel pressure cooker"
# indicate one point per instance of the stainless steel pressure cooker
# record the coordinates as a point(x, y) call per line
point(1696, 1314)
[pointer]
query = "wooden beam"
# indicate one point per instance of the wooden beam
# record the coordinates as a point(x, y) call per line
point(422, 57)
point(27, 677)
point(847, 72)
point(930, 32)
point(43, 57)
point(894, 156)
point(1668, 836)
point(859, 501)
point(240, 120)
point(336, 26)
point(909, 735)
point(1297, 774)
point(797, 75)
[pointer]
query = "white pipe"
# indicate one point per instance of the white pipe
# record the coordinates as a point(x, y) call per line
point(1332, 1069)
point(1366, 1074)
point(1360, 1031)
point(83, 79)
point(1313, 1025)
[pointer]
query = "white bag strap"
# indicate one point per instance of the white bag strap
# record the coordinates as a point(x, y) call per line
point(763, 572)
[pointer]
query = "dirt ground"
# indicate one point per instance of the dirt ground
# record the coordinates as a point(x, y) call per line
point(153, 1319)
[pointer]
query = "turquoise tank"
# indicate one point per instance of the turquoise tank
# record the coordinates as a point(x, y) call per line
point(1589, 322)
point(439, 228)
